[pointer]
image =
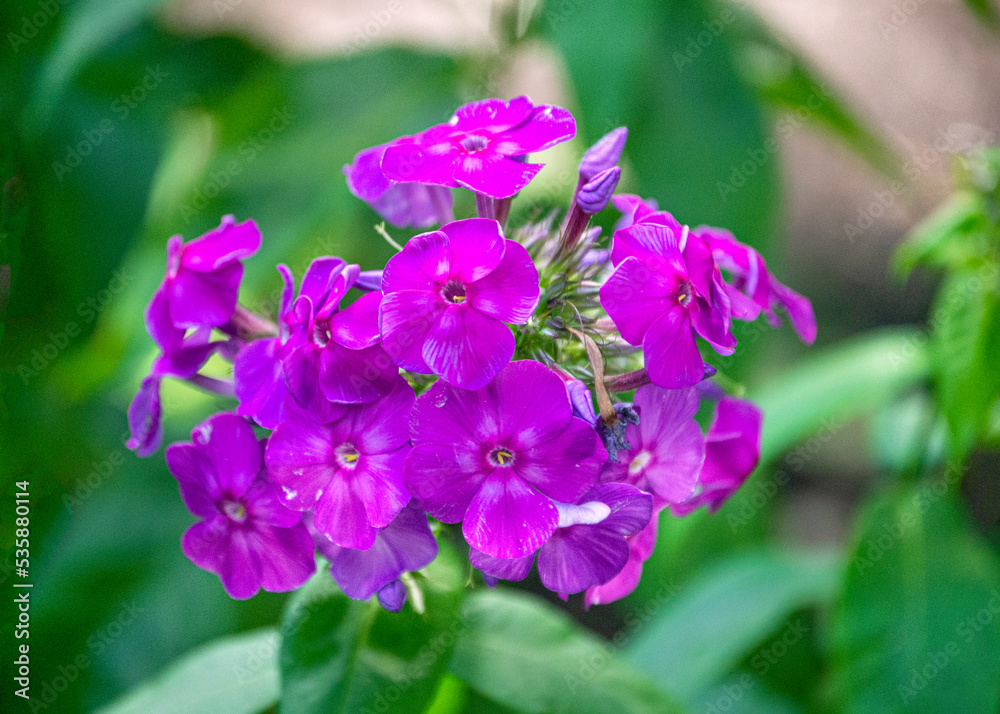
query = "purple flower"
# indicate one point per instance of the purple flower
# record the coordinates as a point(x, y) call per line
point(323, 356)
point(589, 545)
point(665, 289)
point(497, 457)
point(640, 548)
point(202, 281)
point(405, 545)
point(145, 418)
point(448, 294)
point(753, 289)
point(246, 536)
point(478, 148)
point(667, 447)
point(401, 204)
point(348, 471)
point(594, 195)
point(732, 452)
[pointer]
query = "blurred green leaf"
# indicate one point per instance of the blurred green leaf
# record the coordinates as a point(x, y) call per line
point(743, 694)
point(841, 383)
point(984, 9)
point(342, 655)
point(89, 26)
point(947, 238)
point(530, 657)
point(966, 344)
point(722, 614)
point(697, 142)
point(236, 675)
point(917, 626)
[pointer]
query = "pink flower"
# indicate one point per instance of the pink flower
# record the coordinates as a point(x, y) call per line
point(478, 148)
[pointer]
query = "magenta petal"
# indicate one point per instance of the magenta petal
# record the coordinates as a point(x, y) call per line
point(260, 382)
point(159, 323)
point(423, 264)
point(799, 309)
point(264, 505)
point(226, 244)
point(670, 437)
point(213, 547)
point(502, 568)
point(405, 318)
point(302, 376)
point(342, 517)
point(565, 466)
point(196, 479)
point(580, 557)
point(547, 126)
point(492, 115)
point(300, 460)
point(443, 478)
point(205, 299)
point(144, 419)
point(636, 295)
point(477, 246)
point(229, 443)
point(650, 242)
point(494, 175)
point(285, 556)
point(640, 549)
point(468, 348)
point(508, 519)
point(631, 509)
point(356, 326)
point(432, 163)
point(320, 279)
point(672, 357)
point(510, 293)
point(448, 415)
point(378, 482)
point(383, 425)
point(532, 405)
point(356, 376)
point(364, 175)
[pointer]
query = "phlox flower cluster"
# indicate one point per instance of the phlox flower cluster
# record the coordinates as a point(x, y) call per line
point(467, 382)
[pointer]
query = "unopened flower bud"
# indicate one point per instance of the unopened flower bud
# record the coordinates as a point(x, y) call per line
point(596, 193)
point(604, 154)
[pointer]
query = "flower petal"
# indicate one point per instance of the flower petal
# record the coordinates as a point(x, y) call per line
point(510, 293)
point(546, 126)
point(672, 357)
point(580, 557)
point(341, 515)
point(636, 295)
point(230, 445)
point(260, 382)
point(299, 458)
point(477, 246)
point(410, 162)
point(532, 404)
point(566, 465)
point(443, 478)
point(492, 115)
point(356, 376)
point(467, 348)
point(205, 299)
point(226, 244)
point(502, 568)
point(405, 318)
point(285, 556)
point(493, 175)
point(145, 419)
point(507, 518)
point(196, 479)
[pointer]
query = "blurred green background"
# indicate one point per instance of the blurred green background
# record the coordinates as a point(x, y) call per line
point(858, 570)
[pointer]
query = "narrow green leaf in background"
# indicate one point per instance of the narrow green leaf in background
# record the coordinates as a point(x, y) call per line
point(721, 615)
point(528, 656)
point(235, 675)
point(917, 628)
point(841, 383)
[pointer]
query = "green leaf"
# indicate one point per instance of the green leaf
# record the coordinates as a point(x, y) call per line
point(947, 237)
point(841, 383)
point(697, 140)
point(236, 675)
point(985, 10)
point(89, 26)
point(965, 349)
point(721, 615)
point(526, 655)
point(343, 655)
point(917, 626)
